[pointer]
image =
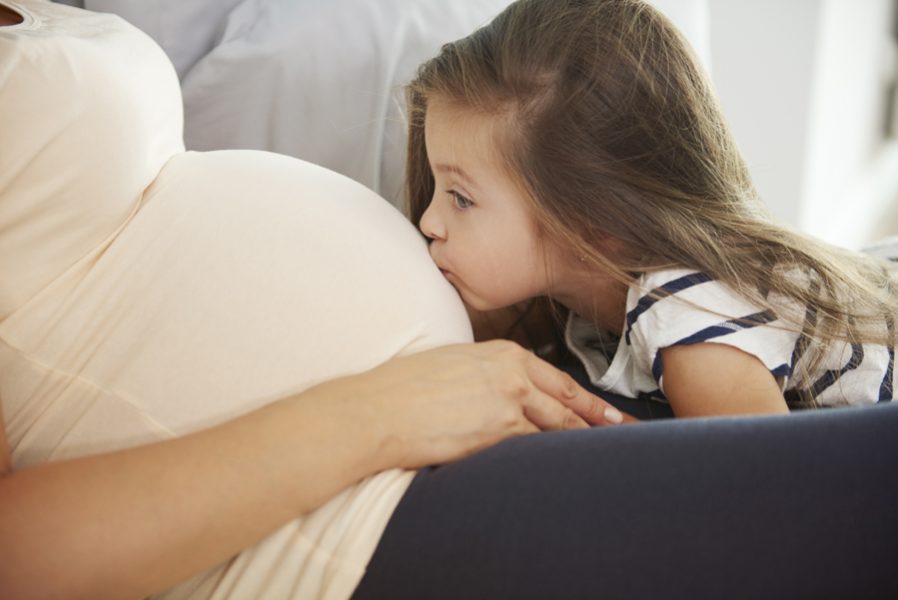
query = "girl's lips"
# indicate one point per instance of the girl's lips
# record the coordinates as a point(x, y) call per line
point(444, 271)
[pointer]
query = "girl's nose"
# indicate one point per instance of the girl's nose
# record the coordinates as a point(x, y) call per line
point(431, 225)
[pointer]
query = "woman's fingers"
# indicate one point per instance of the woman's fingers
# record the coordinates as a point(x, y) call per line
point(562, 387)
point(548, 414)
point(529, 427)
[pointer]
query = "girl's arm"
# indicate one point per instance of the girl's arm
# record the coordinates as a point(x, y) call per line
point(134, 522)
point(715, 379)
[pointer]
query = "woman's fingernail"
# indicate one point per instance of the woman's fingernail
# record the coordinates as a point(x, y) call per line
point(612, 415)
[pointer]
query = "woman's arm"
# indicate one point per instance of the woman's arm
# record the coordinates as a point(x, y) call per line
point(133, 522)
point(715, 379)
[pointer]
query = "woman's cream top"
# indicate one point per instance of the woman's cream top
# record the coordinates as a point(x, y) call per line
point(147, 292)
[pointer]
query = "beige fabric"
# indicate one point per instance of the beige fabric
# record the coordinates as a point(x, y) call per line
point(146, 292)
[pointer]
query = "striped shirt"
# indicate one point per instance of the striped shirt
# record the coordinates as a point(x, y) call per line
point(700, 309)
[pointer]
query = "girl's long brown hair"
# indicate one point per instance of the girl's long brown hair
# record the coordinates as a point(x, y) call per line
point(612, 127)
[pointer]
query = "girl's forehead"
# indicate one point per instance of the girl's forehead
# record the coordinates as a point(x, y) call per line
point(452, 128)
point(468, 143)
point(443, 116)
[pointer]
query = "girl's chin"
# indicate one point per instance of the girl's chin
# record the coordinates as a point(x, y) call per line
point(478, 304)
point(472, 305)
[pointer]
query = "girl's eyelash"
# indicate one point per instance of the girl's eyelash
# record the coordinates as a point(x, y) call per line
point(461, 203)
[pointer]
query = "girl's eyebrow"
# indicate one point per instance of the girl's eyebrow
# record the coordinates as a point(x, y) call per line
point(445, 168)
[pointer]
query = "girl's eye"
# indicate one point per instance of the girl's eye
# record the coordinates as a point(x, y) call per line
point(461, 202)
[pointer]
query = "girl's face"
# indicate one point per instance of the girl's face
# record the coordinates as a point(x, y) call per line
point(483, 236)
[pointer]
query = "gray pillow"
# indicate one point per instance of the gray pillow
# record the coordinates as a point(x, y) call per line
point(186, 29)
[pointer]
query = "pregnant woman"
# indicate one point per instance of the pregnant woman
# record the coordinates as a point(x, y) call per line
point(219, 372)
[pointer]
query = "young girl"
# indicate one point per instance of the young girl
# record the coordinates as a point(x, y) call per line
point(574, 149)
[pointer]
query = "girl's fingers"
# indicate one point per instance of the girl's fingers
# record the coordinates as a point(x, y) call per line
point(562, 387)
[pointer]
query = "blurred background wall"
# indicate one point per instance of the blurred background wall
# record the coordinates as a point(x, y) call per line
point(809, 89)
point(807, 85)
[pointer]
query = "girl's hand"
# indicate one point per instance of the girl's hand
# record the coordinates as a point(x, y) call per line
point(449, 402)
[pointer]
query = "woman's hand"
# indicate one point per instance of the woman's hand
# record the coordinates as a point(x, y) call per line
point(449, 402)
point(136, 521)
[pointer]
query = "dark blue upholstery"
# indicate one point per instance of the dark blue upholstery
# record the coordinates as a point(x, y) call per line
point(794, 506)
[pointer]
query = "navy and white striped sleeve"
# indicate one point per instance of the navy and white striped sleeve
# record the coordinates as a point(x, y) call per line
point(699, 309)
